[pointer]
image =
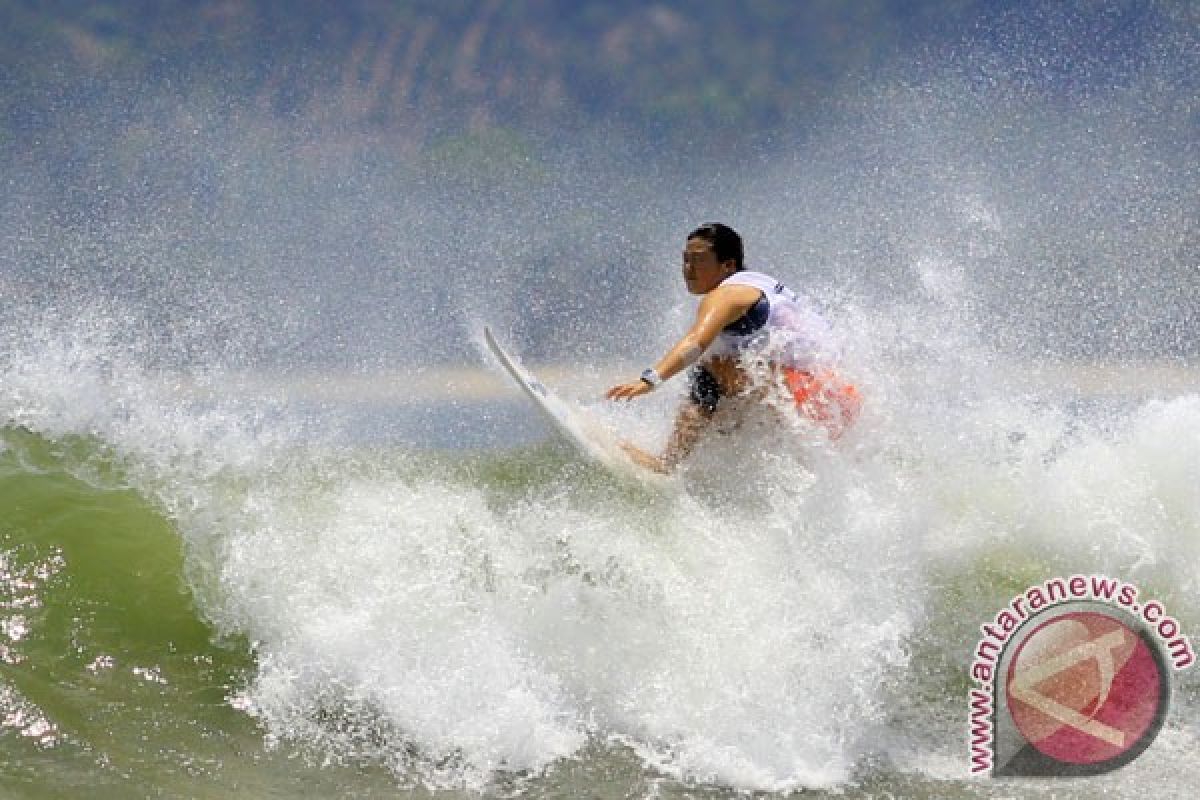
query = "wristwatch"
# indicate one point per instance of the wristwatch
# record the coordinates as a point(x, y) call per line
point(652, 377)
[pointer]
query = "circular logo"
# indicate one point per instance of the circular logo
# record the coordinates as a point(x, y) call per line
point(1087, 689)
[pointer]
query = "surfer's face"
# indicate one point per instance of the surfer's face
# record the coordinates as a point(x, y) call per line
point(701, 270)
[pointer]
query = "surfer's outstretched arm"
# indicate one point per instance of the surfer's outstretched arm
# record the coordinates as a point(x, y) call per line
point(718, 308)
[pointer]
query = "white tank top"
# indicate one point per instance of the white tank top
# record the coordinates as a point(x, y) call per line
point(783, 326)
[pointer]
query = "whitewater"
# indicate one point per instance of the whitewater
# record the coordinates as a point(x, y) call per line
point(475, 620)
point(270, 527)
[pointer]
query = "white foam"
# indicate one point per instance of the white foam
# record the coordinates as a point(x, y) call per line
point(754, 632)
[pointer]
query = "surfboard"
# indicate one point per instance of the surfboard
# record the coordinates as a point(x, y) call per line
point(594, 441)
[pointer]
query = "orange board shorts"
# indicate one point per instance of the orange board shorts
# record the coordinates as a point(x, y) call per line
point(824, 398)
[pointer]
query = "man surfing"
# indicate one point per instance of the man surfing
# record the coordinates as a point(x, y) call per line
point(745, 318)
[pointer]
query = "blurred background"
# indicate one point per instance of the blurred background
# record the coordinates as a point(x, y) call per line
point(268, 529)
point(300, 183)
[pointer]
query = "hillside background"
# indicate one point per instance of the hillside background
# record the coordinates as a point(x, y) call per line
point(256, 150)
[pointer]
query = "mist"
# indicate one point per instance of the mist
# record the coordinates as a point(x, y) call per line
point(1032, 185)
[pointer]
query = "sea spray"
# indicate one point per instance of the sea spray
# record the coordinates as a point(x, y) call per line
point(800, 616)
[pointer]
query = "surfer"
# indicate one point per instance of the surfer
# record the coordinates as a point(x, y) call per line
point(749, 326)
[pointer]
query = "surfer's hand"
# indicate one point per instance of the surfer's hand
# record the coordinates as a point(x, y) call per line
point(628, 391)
point(644, 459)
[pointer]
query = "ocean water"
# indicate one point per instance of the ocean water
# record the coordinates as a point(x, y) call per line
point(270, 529)
point(214, 593)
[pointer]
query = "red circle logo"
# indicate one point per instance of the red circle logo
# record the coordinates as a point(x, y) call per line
point(1084, 689)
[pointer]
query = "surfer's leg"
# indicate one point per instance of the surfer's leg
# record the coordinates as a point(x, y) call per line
point(690, 423)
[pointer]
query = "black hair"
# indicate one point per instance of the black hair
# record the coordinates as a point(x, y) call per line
point(725, 242)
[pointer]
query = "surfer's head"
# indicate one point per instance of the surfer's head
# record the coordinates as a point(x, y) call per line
point(713, 253)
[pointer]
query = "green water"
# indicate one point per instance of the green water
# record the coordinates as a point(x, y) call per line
point(114, 684)
point(112, 671)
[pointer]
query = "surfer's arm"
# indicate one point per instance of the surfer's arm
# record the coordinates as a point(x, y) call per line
point(690, 423)
point(719, 308)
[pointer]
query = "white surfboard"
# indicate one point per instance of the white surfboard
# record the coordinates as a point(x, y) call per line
point(593, 440)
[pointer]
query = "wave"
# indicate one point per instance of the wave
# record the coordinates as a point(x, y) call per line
point(796, 617)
